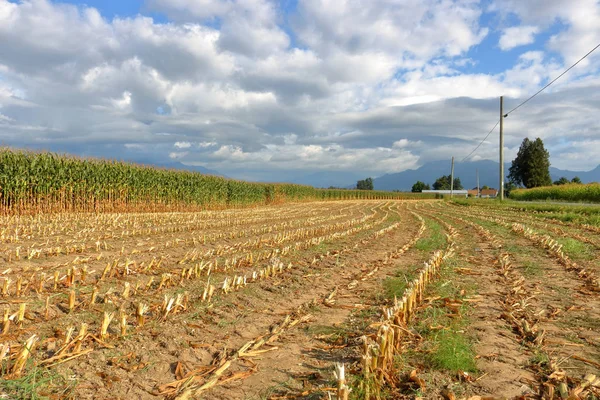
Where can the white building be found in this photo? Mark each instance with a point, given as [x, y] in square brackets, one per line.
[457, 193]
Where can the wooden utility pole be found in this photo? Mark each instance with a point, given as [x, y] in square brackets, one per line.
[452, 179]
[477, 173]
[501, 183]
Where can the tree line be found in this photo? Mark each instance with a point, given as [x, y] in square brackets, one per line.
[530, 168]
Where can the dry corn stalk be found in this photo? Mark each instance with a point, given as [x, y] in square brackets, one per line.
[80, 337]
[42, 281]
[83, 273]
[56, 276]
[123, 322]
[140, 311]
[343, 391]
[95, 291]
[71, 300]
[105, 323]
[24, 355]
[126, 290]
[5, 286]
[21, 314]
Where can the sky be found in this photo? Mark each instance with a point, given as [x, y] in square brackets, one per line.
[272, 90]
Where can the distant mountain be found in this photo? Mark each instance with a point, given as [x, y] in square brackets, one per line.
[488, 175]
[585, 176]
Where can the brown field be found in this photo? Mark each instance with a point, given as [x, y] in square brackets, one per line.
[417, 299]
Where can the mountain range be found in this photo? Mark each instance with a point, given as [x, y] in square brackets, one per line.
[467, 172]
[428, 173]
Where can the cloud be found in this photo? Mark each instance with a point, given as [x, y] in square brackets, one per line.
[517, 36]
[580, 18]
[254, 89]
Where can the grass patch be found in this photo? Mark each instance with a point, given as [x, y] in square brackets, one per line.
[395, 287]
[453, 352]
[447, 346]
[584, 214]
[575, 249]
[38, 384]
[434, 241]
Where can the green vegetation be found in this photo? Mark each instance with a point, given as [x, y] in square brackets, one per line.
[572, 192]
[564, 181]
[445, 344]
[365, 184]
[531, 167]
[451, 348]
[38, 384]
[48, 182]
[575, 249]
[583, 214]
[420, 186]
[395, 286]
[434, 241]
[453, 352]
[443, 183]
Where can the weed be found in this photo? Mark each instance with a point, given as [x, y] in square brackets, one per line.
[539, 358]
[435, 241]
[38, 384]
[453, 352]
[395, 287]
[576, 249]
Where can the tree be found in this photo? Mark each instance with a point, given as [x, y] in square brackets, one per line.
[419, 187]
[443, 183]
[561, 181]
[485, 187]
[365, 184]
[576, 180]
[531, 167]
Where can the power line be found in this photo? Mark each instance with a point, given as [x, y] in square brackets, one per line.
[535, 94]
[479, 145]
[554, 80]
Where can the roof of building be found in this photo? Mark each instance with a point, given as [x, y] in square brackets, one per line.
[446, 191]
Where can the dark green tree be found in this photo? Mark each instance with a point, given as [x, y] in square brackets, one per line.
[443, 183]
[485, 187]
[420, 186]
[365, 184]
[561, 181]
[531, 167]
[576, 180]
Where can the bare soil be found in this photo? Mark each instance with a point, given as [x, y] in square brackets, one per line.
[324, 269]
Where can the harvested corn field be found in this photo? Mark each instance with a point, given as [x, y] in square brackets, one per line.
[363, 299]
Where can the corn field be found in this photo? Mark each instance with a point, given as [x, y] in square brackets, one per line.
[589, 193]
[361, 298]
[46, 182]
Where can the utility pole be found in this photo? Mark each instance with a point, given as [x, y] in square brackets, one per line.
[477, 173]
[501, 184]
[452, 180]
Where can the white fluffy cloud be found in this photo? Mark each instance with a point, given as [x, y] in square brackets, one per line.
[255, 90]
[517, 36]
